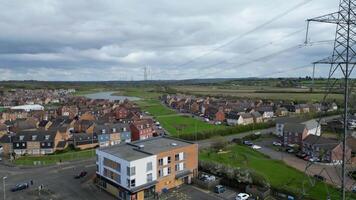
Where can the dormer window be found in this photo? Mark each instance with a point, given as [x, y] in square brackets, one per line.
[46, 137]
[34, 137]
[21, 137]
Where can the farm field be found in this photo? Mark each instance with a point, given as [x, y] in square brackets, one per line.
[295, 94]
[276, 172]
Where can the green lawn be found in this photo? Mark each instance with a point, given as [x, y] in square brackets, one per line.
[55, 158]
[276, 172]
[173, 122]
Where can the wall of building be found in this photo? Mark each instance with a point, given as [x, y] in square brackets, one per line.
[140, 165]
[190, 160]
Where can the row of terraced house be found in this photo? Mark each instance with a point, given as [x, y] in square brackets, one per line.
[239, 112]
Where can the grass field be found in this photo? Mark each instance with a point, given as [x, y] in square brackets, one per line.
[276, 172]
[175, 123]
[272, 93]
[55, 158]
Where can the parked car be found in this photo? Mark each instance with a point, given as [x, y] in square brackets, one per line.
[242, 196]
[256, 147]
[319, 177]
[20, 186]
[277, 144]
[301, 155]
[81, 175]
[217, 123]
[314, 159]
[248, 143]
[354, 189]
[207, 178]
[219, 189]
[207, 120]
[290, 150]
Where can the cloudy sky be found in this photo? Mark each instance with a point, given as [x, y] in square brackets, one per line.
[116, 39]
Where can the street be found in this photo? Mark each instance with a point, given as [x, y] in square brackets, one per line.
[58, 181]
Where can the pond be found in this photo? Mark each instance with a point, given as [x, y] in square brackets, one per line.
[109, 96]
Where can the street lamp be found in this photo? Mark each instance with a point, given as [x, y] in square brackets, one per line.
[3, 182]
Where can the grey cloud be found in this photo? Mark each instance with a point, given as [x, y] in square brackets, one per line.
[113, 40]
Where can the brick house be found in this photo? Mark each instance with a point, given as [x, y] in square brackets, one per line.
[34, 142]
[85, 141]
[294, 133]
[220, 115]
[324, 149]
[69, 111]
[234, 118]
[121, 112]
[141, 130]
[257, 117]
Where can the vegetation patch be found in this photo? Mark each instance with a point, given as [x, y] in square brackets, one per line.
[55, 158]
[279, 175]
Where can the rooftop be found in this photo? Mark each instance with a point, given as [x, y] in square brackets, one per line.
[126, 152]
[144, 148]
[160, 144]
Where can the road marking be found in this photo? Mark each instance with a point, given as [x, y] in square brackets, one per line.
[65, 168]
[91, 165]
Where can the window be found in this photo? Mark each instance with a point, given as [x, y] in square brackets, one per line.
[169, 170]
[131, 171]
[112, 175]
[149, 167]
[149, 177]
[176, 157]
[160, 162]
[160, 174]
[133, 183]
[112, 164]
[169, 159]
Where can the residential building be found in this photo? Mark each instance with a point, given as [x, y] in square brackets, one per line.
[141, 169]
[324, 149]
[294, 133]
[141, 130]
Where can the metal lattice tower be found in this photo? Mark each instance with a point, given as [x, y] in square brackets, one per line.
[343, 58]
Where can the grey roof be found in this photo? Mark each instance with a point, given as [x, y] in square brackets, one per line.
[144, 148]
[161, 144]
[311, 124]
[126, 152]
[322, 142]
[294, 127]
[38, 135]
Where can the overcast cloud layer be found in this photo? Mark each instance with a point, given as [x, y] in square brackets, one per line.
[115, 39]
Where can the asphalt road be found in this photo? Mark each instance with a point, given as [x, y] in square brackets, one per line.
[58, 181]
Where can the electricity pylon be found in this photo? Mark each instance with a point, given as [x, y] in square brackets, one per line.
[343, 57]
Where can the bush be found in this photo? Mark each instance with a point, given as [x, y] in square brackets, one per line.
[228, 131]
[219, 143]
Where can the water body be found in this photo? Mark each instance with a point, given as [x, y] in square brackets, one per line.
[109, 96]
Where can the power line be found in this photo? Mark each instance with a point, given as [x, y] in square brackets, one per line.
[295, 7]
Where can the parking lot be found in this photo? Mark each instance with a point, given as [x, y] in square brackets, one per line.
[191, 192]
